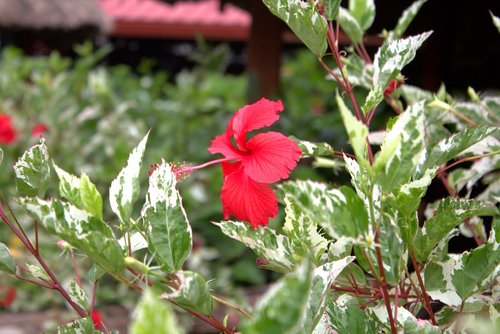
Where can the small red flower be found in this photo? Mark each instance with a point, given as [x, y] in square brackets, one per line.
[7, 296]
[7, 132]
[38, 130]
[392, 86]
[97, 319]
[255, 163]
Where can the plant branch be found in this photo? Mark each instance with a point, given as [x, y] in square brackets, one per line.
[427, 303]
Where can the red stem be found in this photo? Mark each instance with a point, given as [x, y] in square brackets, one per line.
[427, 303]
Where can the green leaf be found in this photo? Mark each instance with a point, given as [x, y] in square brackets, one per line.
[401, 149]
[350, 26]
[476, 266]
[375, 96]
[340, 212]
[80, 229]
[7, 263]
[282, 309]
[170, 236]
[406, 18]
[79, 326]
[69, 186]
[496, 21]
[393, 56]
[392, 250]
[90, 196]
[193, 293]
[152, 315]
[124, 189]
[423, 327]
[322, 278]
[37, 272]
[304, 20]
[356, 130]
[310, 149]
[451, 147]
[1, 156]
[347, 318]
[449, 213]
[303, 232]
[363, 11]
[33, 171]
[275, 248]
[331, 9]
[78, 295]
[406, 199]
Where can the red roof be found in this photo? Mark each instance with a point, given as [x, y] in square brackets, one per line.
[181, 20]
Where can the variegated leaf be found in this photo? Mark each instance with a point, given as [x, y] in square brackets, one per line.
[401, 149]
[79, 326]
[363, 11]
[170, 235]
[340, 212]
[80, 229]
[310, 149]
[275, 248]
[304, 20]
[391, 58]
[33, 171]
[406, 18]
[322, 278]
[78, 295]
[350, 26]
[124, 189]
[283, 308]
[193, 293]
[302, 232]
[7, 263]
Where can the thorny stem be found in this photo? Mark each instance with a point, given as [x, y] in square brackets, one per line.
[427, 302]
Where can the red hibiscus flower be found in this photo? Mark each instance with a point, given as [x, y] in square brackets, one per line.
[7, 131]
[7, 296]
[38, 130]
[97, 319]
[392, 86]
[250, 165]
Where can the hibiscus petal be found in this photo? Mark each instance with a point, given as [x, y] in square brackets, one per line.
[272, 157]
[254, 116]
[222, 145]
[246, 199]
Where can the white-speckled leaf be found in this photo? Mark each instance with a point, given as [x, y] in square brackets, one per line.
[124, 190]
[437, 276]
[303, 232]
[78, 295]
[363, 11]
[33, 171]
[350, 26]
[283, 308]
[449, 213]
[80, 229]
[401, 149]
[79, 326]
[391, 58]
[322, 278]
[69, 186]
[275, 248]
[169, 232]
[310, 149]
[451, 147]
[375, 96]
[304, 20]
[340, 212]
[193, 293]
